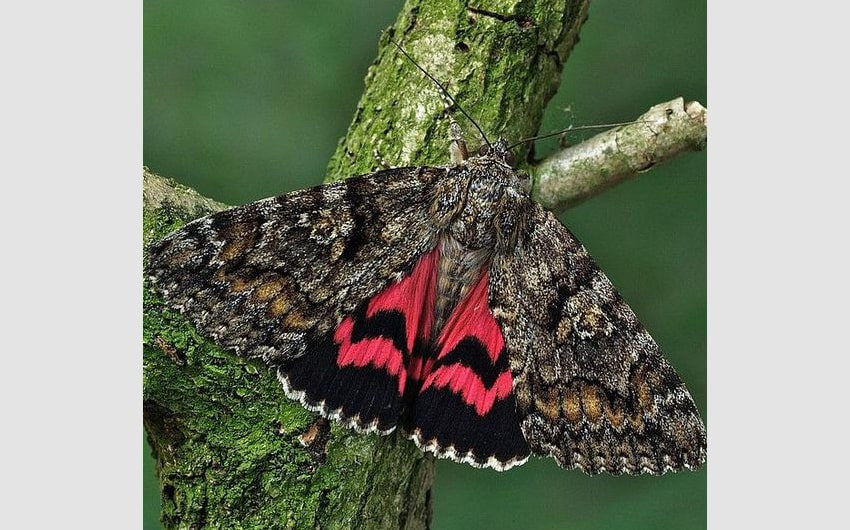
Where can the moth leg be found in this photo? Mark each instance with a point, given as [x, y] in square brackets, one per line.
[457, 148]
[382, 163]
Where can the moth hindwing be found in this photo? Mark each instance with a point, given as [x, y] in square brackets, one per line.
[442, 301]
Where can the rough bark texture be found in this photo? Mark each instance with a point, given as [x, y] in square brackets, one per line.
[502, 66]
[228, 445]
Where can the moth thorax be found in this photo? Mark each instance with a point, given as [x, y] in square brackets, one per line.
[491, 215]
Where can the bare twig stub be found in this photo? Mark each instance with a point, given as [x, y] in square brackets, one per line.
[574, 174]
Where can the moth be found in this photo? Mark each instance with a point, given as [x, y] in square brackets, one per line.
[444, 302]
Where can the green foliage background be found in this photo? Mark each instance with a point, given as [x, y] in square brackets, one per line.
[243, 100]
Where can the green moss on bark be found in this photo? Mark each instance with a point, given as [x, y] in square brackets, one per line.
[502, 66]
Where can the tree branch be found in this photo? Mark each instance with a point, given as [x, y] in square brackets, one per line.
[230, 450]
[502, 68]
[577, 173]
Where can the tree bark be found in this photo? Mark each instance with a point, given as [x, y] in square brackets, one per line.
[231, 451]
[502, 66]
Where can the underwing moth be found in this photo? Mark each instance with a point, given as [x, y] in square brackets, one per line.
[444, 302]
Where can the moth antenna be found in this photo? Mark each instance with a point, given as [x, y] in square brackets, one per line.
[445, 92]
[570, 129]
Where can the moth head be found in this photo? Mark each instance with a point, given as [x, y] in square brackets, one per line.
[498, 150]
[501, 151]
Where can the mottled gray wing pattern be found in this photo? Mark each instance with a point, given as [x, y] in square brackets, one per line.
[260, 277]
[592, 387]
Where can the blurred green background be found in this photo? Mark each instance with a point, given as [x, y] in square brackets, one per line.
[244, 100]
